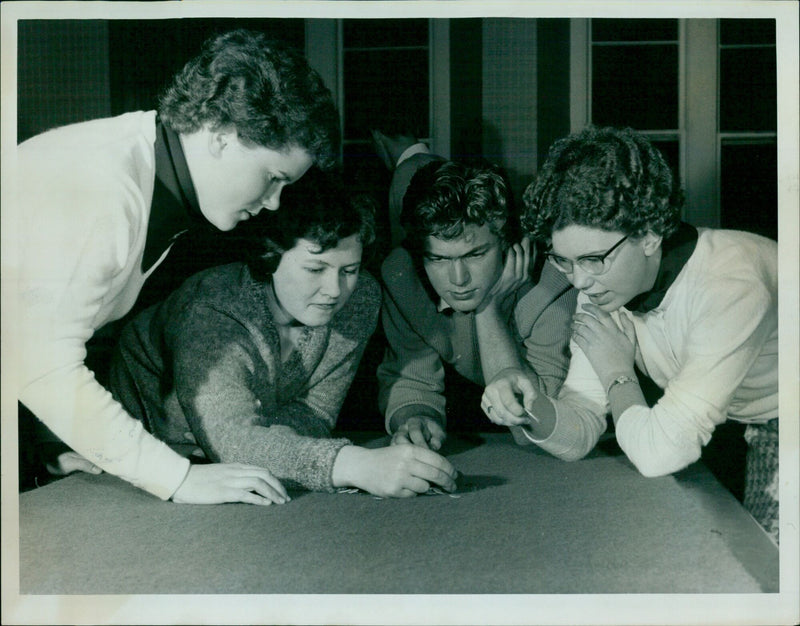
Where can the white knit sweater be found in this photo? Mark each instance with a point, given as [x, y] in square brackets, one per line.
[712, 345]
[82, 203]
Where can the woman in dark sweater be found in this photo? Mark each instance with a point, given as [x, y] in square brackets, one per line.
[252, 361]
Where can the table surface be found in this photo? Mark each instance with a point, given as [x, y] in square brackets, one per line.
[522, 522]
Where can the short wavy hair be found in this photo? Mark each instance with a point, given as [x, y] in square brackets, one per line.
[317, 208]
[607, 178]
[263, 87]
[444, 197]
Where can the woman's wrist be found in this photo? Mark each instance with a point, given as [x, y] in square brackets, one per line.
[609, 379]
[622, 379]
[344, 470]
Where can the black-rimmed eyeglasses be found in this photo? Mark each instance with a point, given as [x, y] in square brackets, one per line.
[591, 264]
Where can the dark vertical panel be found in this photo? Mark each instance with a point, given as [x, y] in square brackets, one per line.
[466, 83]
[748, 89]
[62, 73]
[748, 103]
[749, 188]
[552, 76]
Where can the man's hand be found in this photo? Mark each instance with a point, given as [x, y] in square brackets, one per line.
[425, 432]
[500, 401]
[516, 272]
[218, 483]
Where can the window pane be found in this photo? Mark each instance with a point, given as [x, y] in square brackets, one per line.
[749, 188]
[746, 32]
[635, 86]
[748, 96]
[385, 33]
[634, 30]
[376, 80]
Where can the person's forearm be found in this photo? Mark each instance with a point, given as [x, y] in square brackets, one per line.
[497, 348]
[304, 460]
[83, 415]
[570, 431]
[624, 392]
[347, 467]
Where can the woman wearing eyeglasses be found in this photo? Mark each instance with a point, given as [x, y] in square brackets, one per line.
[694, 309]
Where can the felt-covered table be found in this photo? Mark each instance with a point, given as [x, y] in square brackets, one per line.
[524, 522]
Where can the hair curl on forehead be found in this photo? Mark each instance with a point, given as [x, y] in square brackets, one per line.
[316, 208]
[445, 197]
[262, 87]
[607, 178]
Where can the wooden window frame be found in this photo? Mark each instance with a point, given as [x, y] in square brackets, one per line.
[697, 136]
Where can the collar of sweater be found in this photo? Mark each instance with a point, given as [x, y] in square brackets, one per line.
[675, 252]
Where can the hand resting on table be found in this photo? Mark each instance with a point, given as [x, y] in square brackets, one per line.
[216, 483]
[394, 471]
[219, 483]
[71, 461]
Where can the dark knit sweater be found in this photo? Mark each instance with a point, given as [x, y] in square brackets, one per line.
[207, 361]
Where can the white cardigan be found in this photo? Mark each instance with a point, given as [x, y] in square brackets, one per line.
[712, 345]
[82, 204]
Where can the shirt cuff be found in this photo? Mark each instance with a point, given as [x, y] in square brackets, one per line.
[414, 410]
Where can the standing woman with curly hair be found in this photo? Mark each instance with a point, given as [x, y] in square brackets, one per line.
[100, 204]
[695, 309]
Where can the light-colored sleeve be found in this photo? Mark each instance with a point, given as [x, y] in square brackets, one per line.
[74, 244]
[581, 409]
[727, 324]
[411, 375]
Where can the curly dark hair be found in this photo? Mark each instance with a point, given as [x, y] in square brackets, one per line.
[263, 87]
[317, 208]
[607, 178]
[444, 197]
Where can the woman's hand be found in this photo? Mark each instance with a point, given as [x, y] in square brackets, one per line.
[501, 398]
[420, 431]
[393, 471]
[218, 483]
[610, 349]
[71, 461]
[516, 272]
